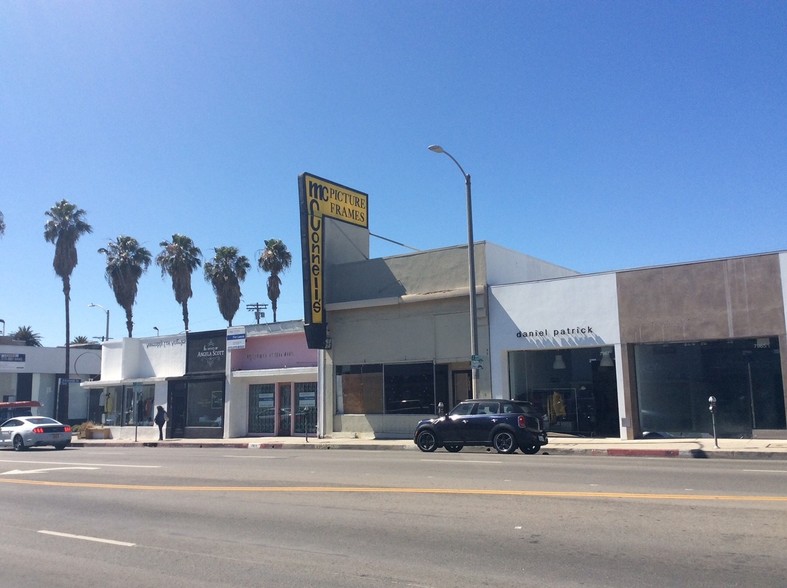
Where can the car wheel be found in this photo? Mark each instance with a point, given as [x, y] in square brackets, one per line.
[453, 447]
[60, 446]
[530, 449]
[19, 444]
[426, 441]
[504, 442]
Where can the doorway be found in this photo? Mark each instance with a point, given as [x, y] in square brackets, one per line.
[176, 409]
[462, 386]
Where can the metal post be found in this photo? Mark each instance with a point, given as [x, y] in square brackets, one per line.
[474, 357]
[106, 310]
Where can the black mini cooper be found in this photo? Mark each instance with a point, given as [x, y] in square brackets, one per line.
[505, 425]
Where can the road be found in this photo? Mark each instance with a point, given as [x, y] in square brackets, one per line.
[236, 517]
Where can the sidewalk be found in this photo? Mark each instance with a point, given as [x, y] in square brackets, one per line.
[558, 445]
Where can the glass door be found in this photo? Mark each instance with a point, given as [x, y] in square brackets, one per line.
[262, 409]
[305, 408]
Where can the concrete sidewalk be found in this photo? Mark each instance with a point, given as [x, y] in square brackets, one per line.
[701, 447]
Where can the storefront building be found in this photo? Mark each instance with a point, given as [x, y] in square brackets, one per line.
[270, 388]
[640, 352]
[34, 373]
[134, 380]
[274, 382]
[398, 330]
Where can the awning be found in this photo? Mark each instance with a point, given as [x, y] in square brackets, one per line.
[279, 373]
[126, 382]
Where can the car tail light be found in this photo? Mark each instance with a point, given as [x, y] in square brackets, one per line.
[67, 429]
[520, 421]
[38, 430]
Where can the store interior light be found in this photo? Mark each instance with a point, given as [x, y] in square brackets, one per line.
[606, 359]
[559, 364]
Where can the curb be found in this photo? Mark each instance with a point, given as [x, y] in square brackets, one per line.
[549, 450]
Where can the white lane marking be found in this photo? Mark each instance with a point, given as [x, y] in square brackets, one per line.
[453, 462]
[68, 463]
[86, 538]
[15, 472]
[767, 471]
[256, 456]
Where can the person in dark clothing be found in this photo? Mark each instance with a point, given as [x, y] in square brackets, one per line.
[161, 418]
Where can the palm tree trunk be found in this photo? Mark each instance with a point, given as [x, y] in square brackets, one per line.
[62, 401]
[129, 322]
[185, 306]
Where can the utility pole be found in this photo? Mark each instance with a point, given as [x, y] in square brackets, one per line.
[258, 309]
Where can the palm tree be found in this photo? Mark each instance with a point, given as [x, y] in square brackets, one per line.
[225, 272]
[275, 259]
[80, 340]
[65, 226]
[26, 334]
[179, 259]
[127, 260]
[2, 224]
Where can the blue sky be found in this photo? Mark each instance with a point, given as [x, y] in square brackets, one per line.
[599, 135]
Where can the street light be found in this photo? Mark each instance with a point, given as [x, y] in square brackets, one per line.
[3, 321]
[157, 332]
[474, 359]
[92, 305]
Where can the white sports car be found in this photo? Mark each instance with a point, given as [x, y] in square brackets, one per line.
[31, 431]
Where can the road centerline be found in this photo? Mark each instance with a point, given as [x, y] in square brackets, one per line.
[383, 490]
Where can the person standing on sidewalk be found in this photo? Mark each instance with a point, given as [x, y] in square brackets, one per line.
[160, 419]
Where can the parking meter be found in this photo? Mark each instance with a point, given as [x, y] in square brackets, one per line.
[712, 409]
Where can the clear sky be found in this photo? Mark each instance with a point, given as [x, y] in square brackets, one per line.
[599, 135]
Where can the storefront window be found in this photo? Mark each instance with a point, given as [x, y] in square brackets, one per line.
[205, 404]
[124, 406]
[389, 389]
[674, 382]
[359, 389]
[575, 388]
[110, 404]
[409, 388]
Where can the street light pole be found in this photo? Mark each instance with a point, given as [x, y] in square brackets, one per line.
[106, 333]
[474, 359]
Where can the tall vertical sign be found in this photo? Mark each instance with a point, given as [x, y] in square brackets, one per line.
[321, 199]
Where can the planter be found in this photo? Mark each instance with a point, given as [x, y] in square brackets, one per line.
[98, 433]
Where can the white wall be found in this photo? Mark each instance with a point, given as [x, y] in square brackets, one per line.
[550, 315]
[127, 359]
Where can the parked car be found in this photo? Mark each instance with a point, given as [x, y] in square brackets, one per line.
[502, 424]
[32, 431]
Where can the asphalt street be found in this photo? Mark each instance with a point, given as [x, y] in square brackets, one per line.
[286, 517]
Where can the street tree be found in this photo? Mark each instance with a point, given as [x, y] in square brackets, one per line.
[274, 259]
[26, 334]
[127, 260]
[225, 272]
[65, 226]
[178, 259]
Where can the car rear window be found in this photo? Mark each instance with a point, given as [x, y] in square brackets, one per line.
[42, 421]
